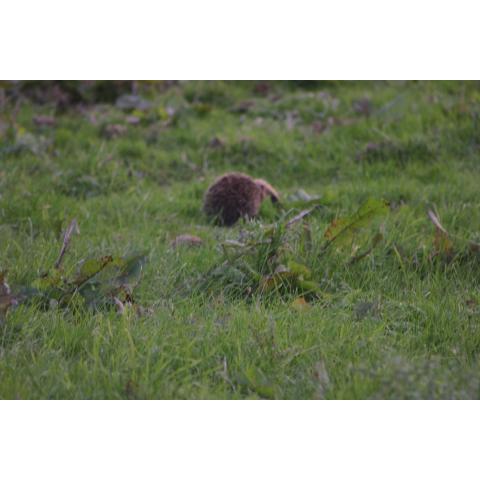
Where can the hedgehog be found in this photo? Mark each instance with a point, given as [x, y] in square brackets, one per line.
[236, 195]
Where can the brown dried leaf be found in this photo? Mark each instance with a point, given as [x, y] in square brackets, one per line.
[262, 88]
[243, 107]
[132, 120]
[114, 130]
[319, 126]
[363, 106]
[187, 240]
[216, 142]
[44, 121]
[474, 247]
[132, 102]
[300, 304]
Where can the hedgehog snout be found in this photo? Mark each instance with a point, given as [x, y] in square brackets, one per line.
[267, 190]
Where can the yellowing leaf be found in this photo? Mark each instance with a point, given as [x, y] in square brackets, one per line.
[91, 267]
[300, 305]
[307, 286]
[300, 270]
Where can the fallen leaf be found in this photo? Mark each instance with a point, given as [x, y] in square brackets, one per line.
[474, 247]
[114, 130]
[471, 303]
[234, 243]
[300, 304]
[262, 88]
[243, 107]
[44, 121]
[132, 120]
[132, 102]
[372, 151]
[319, 127]
[216, 142]
[187, 240]
[363, 106]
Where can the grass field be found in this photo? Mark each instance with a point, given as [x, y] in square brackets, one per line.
[401, 322]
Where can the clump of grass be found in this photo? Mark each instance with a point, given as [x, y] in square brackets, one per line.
[275, 259]
[98, 283]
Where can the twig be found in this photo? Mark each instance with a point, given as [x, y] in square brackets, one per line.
[301, 215]
[73, 227]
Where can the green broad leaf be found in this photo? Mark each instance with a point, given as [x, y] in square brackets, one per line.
[110, 277]
[343, 230]
[90, 268]
[308, 286]
[131, 271]
[53, 279]
[300, 270]
[94, 295]
[256, 380]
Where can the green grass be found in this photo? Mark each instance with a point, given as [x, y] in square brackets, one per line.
[397, 324]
